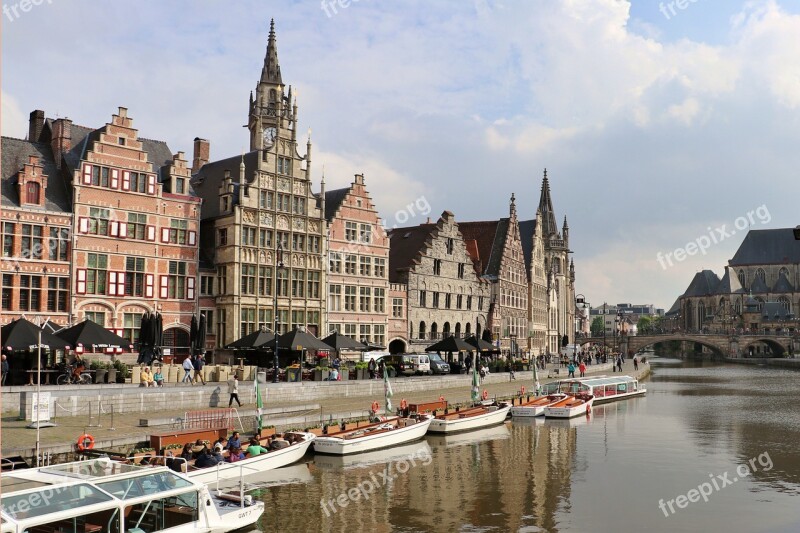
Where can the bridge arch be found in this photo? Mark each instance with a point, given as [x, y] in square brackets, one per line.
[639, 343]
[778, 350]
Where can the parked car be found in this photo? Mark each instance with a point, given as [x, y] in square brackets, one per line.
[438, 365]
[401, 364]
[422, 363]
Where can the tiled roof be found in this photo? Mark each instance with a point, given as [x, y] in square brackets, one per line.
[782, 285]
[483, 234]
[758, 285]
[333, 200]
[208, 179]
[526, 230]
[405, 246]
[703, 284]
[15, 153]
[774, 311]
[768, 247]
[675, 309]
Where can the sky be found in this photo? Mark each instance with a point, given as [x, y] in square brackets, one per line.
[668, 129]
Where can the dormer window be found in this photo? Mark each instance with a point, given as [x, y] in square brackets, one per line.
[180, 186]
[122, 141]
[32, 193]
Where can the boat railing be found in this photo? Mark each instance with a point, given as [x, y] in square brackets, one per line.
[242, 473]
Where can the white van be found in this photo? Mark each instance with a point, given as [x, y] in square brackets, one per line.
[422, 363]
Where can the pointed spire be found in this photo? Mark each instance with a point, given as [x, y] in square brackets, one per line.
[271, 73]
[513, 206]
[549, 226]
[566, 226]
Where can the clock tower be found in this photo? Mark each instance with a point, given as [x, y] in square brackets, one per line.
[272, 112]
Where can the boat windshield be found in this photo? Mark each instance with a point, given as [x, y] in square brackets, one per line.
[134, 487]
[51, 500]
[91, 469]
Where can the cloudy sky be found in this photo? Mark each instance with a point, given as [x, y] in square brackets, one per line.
[659, 126]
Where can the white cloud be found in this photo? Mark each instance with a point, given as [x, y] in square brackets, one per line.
[14, 120]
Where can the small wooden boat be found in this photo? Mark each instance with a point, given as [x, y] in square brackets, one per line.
[284, 449]
[535, 406]
[575, 405]
[419, 449]
[388, 432]
[454, 420]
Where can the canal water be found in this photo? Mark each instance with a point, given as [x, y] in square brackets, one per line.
[712, 447]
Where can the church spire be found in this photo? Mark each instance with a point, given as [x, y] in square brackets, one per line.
[271, 73]
[548, 221]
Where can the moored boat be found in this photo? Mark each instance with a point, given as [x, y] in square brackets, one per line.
[455, 420]
[388, 432]
[294, 447]
[605, 388]
[535, 406]
[102, 495]
[574, 405]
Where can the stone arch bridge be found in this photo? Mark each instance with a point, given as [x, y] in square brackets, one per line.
[719, 344]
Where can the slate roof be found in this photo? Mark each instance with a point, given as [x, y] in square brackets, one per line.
[768, 247]
[15, 152]
[758, 285]
[489, 238]
[208, 179]
[774, 310]
[703, 284]
[782, 285]
[526, 230]
[333, 200]
[675, 309]
[405, 245]
[729, 284]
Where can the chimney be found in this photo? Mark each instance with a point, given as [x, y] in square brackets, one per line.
[61, 141]
[35, 125]
[202, 151]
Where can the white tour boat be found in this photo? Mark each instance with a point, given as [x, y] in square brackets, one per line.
[298, 444]
[104, 496]
[391, 431]
[605, 388]
[576, 404]
[469, 418]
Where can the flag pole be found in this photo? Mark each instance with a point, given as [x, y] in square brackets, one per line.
[38, 393]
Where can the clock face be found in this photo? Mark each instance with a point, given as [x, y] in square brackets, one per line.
[269, 136]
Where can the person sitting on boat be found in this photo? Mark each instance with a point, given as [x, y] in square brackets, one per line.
[198, 448]
[234, 441]
[255, 448]
[206, 460]
[172, 462]
[235, 454]
[220, 445]
[186, 453]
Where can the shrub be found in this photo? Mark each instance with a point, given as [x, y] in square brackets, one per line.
[122, 369]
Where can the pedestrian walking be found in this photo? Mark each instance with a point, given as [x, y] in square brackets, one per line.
[582, 368]
[571, 370]
[3, 370]
[619, 363]
[188, 367]
[371, 367]
[233, 390]
[635, 363]
[198, 364]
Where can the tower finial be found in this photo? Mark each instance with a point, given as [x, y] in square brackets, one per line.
[271, 73]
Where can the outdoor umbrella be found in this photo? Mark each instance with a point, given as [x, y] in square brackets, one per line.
[22, 334]
[145, 339]
[201, 334]
[451, 344]
[371, 346]
[256, 339]
[158, 336]
[480, 344]
[193, 335]
[297, 340]
[89, 333]
[337, 341]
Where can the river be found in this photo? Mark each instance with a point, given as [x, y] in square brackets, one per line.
[712, 447]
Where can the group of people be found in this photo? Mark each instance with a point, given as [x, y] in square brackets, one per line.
[228, 450]
[194, 363]
[148, 378]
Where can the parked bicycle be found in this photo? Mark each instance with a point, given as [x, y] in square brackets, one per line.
[69, 377]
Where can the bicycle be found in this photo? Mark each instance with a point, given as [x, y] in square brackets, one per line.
[69, 378]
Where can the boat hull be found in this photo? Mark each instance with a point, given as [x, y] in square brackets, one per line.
[569, 412]
[522, 411]
[252, 466]
[608, 399]
[471, 423]
[368, 443]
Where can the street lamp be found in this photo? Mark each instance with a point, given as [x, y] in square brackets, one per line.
[278, 266]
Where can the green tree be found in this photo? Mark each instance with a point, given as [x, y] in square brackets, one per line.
[597, 326]
[645, 324]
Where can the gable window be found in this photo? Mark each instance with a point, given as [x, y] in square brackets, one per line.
[138, 182]
[365, 233]
[350, 231]
[437, 267]
[32, 193]
[461, 271]
[180, 186]
[450, 246]
[423, 297]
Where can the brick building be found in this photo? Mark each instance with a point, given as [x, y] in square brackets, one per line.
[358, 257]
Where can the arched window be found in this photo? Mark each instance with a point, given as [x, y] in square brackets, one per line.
[784, 301]
[273, 95]
[434, 331]
[458, 329]
[446, 330]
[784, 272]
[760, 273]
[422, 330]
[742, 277]
[32, 193]
[468, 329]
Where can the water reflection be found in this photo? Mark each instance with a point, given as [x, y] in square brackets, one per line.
[605, 472]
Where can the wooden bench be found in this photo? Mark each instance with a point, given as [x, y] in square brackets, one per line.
[163, 439]
[428, 407]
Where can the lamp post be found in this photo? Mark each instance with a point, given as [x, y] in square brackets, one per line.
[278, 266]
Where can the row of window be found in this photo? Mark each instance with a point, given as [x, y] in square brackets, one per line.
[99, 222]
[125, 180]
[284, 202]
[134, 280]
[35, 293]
[300, 241]
[253, 319]
[374, 333]
[258, 280]
[352, 298]
[357, 265]
[437, 268]
[31, 238]
[441, 300]
[355, 232]
[513, 299]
